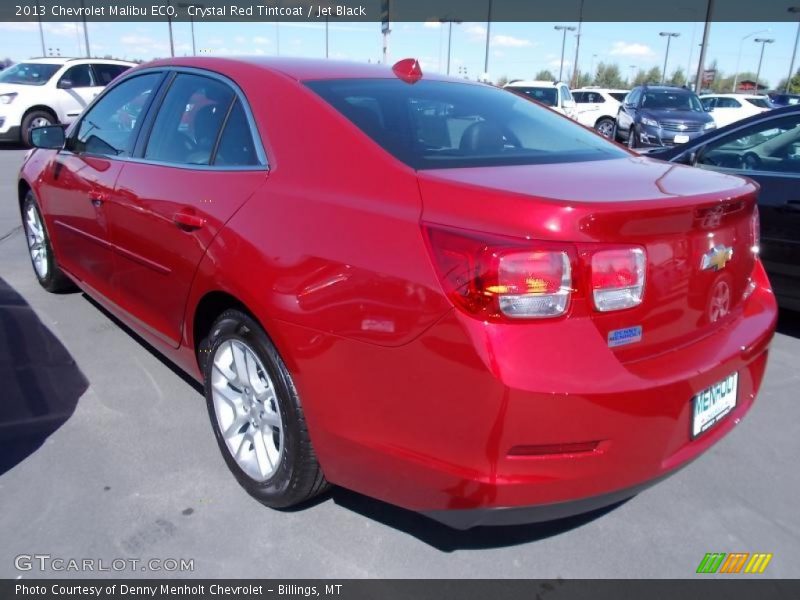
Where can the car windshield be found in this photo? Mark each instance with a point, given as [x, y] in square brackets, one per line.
[29, 73]
[670, 100]
[547, 96]
[760, 102]
[437, 124]
[619, 96]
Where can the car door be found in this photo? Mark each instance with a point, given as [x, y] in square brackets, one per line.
[76, 88]
[726, 111]
[199, 162]
[80, 181]
[769, 152]
[627, 112]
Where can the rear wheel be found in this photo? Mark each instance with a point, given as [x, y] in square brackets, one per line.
[605, 127]
[256, 414]
[35, 118]
[45, 266]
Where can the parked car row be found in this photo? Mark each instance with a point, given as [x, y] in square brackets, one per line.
[493, 316]
[44, 91]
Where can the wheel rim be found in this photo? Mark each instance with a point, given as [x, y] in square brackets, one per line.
[40, 122]
[37, 246]
[246, 409]
[605, 128]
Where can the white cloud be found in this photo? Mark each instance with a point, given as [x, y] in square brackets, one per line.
[261, 40]
[18, 26]
[631, 49]
[476, 32]
[509, 41]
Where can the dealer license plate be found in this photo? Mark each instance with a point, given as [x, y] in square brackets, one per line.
[712, 404]
[681, 139]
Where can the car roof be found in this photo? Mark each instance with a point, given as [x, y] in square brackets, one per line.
[533, 83]
[301, 69]
[62, 60]
[713, 95]
[666, 88]
[599, 89]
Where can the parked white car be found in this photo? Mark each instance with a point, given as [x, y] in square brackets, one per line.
[728, 108]
[550, 93]
[598, 107]
[43, 91]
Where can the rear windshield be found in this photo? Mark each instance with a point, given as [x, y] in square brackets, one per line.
[437, 124]
[29, 73]
[760, 102]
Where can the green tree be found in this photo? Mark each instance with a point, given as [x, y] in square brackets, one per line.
[678, 77]
[608, 75]
[584, 79]
[545, 75]
[653, 76]
[794, 84]
[640, 78]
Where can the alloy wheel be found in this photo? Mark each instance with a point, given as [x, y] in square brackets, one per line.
[246, 408]
[37, 244]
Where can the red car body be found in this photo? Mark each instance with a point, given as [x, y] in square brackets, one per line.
[409, 398]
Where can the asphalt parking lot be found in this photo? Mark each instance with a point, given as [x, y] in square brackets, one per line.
[134, 472]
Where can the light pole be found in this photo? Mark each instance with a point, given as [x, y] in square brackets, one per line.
[41, 35]
[763, 42]
[795, 10]
[632, 68]
[701, 63]
[575, 72]
[488, 37]
[669, 35]
[739, 57]
[564, 29]
[326, 36]
[191, 20]
[85, 30]
[449, 38]
[171, 41]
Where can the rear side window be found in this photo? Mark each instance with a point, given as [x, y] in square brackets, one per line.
[437, 124]
[105, 73]
[547, 96]
[236, 146]
[109, 127]
[728, 103]
[189, 121]
[759, 102]
[618, 96]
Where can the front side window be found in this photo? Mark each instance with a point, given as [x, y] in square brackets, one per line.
[189, 120]
[580, 97]
[547, 96]
[772, 146]
[436, 124]
[79, 76]
[709, 103]
[109, 126]
[728, 103]
[29, 73]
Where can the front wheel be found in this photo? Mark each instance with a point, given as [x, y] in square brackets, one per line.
[632, 144]
[45, 267]
[256, 414]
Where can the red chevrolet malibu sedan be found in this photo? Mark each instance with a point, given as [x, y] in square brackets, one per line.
[430, 291]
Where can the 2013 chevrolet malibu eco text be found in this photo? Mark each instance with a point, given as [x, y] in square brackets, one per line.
[430, 291]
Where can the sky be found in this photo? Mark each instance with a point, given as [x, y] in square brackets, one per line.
[518, 50]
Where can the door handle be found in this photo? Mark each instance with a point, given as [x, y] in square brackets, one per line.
[97, 198]
[188, 221]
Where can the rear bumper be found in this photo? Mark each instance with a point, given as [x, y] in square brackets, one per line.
[436, 425]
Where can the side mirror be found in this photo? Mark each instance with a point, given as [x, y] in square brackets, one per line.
[688, 158]
[65, 84]
[50, 136]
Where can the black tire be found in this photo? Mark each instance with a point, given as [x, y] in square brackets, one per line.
[54, 280]
[29, 119]
[297, 476]
[632, 144]
[606, 124]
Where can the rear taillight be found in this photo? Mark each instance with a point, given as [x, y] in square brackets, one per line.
[618, 278]
[492, 277]
[755, 231]
[499, 278]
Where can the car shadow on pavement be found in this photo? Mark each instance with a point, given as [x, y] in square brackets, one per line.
[789, 323]
[40, 381]
[147, 346]
[447, 539]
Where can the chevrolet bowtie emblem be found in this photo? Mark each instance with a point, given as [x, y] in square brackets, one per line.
[716, 258]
